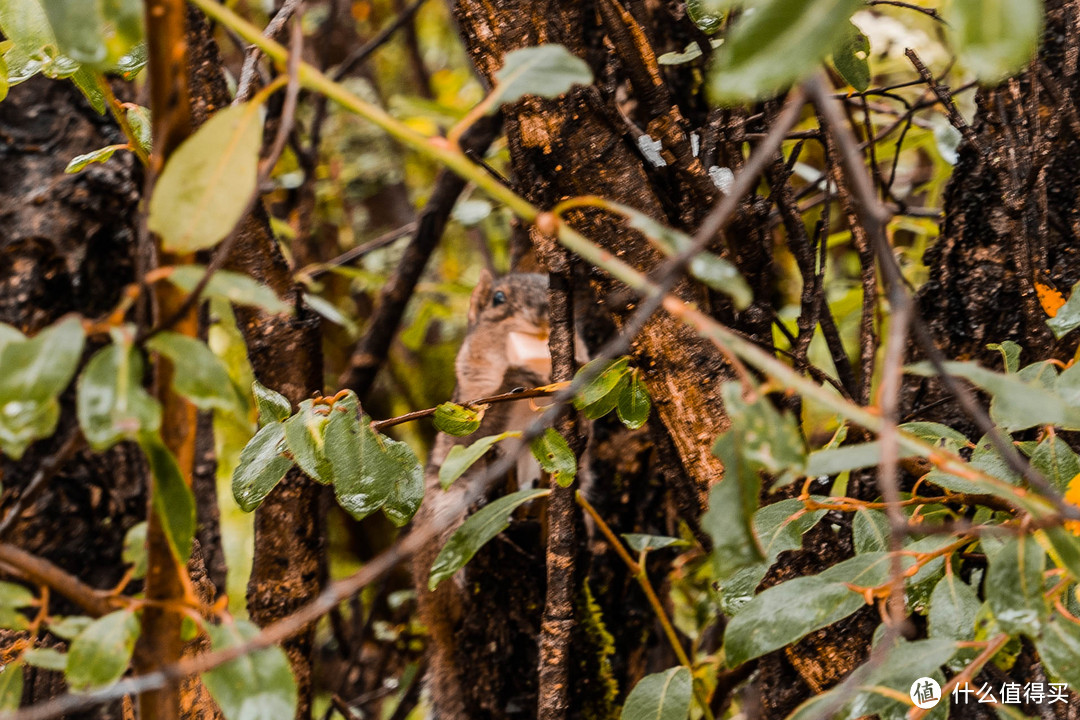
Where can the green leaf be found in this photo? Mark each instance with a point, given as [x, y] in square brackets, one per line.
[851, 57]
[660, 696]
[87, 82]
[47, 659]
[1010, 354]
[1059, 648]
[555, 456]
[35, 372]
[13, 620]
[478, 528]
[832, 461]
[544, 70]
[994, 38]
[69, 627]
[112, 404]
[1014, 586]
[79, 162]
[262, 466]
[461, 457]
[604, 383]
[768, 439]
[97, 33]
[457, 420]
[1056, 461]
[34, 49]
[634, 404]
[257, 685]
[199, 374]
[272, 405]
[134, 552]
[396, 464]
[776, 45]
[101, 653]
[304, 434]
[138, 118]
[732, 504]
[11, 681]
[870, 531]
[1067, 318]
[787, 612]
[205, 186]
[15, 596]
[1019, 402]
[639, 542]
[237, 288]
[953, 607]
[173, 500]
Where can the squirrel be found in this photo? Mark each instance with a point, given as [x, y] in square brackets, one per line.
[483, 623]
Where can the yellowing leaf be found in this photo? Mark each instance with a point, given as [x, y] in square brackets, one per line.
[205, 185]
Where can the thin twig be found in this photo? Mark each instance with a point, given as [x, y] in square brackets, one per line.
[46, 471]
[944, 96]
[512, 396]
[246, 87]
[316, 270]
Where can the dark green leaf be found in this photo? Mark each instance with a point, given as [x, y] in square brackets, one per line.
[457, 420]
[257, 685]
[478, 529]
[397, 464]
[237, 288]
[544, 70]
[205, 185]
[851, 56]
[994, 38]
[634, 404]
[173, 500]
[101, 653]
[732, 504]
[1059, 648]
[262, 466]
[272, 405]
[79, 162]
[936, 434]
[605, 382]
[200, 375]
[555, 456]
[461, 458]
[304, 433]
[1014, 586]
[639, 542]
[787, 612]
[660, 696]
[776, 45]
[953, 606]
[767, 439]
[35, 372]
[11, 683]
[1067, 318]
[357, 491]
[112, 404]
[832, 461]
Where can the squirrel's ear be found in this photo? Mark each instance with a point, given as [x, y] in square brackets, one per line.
[481, 294]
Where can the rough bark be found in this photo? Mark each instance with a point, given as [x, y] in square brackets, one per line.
[66, 245]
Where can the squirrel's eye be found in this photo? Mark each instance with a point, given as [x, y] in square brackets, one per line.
[498, 298]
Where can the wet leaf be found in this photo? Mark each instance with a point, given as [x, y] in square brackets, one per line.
[112, 404]
[1014, 586]
[79, 162]
[199, 374]
[262, 466]
[272, 405]
[634, 403]
[304, 434]
[953, 607]
[173, 500]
